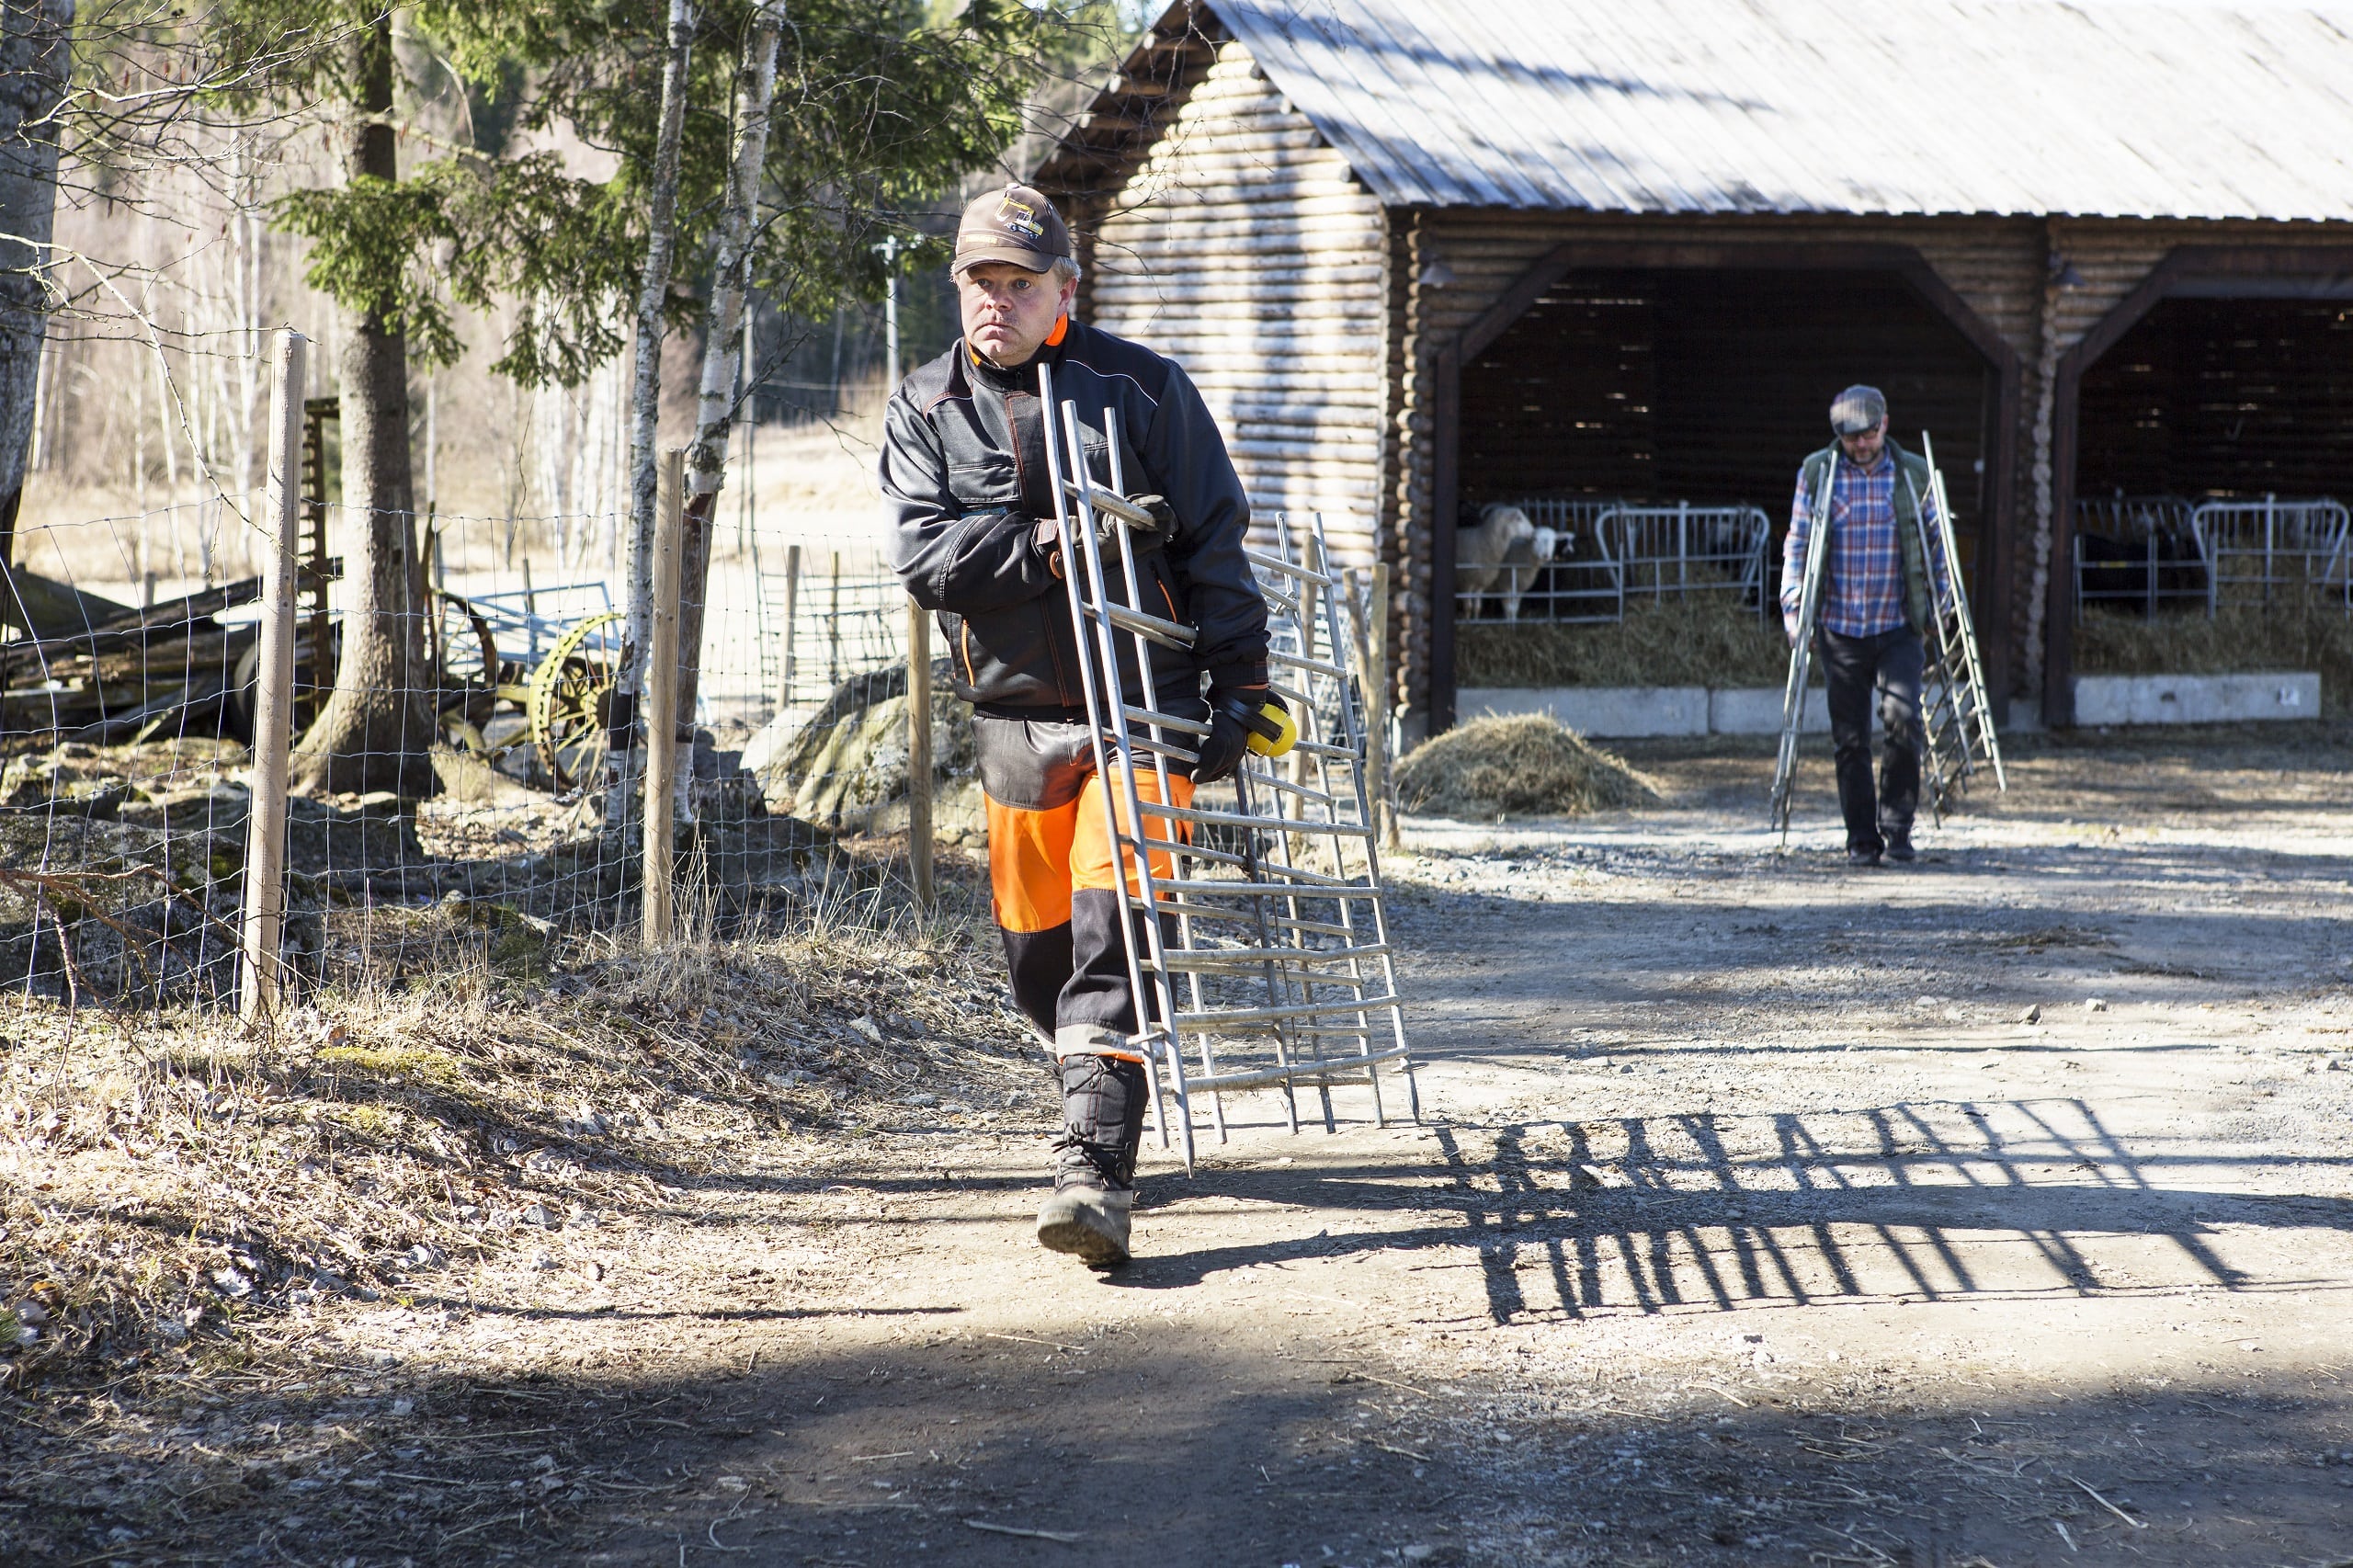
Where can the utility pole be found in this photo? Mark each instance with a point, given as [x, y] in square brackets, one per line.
[889, 250]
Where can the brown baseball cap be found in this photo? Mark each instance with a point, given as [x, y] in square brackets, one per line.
[1016, 224]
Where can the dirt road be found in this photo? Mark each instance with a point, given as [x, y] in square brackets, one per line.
[1748, 1222]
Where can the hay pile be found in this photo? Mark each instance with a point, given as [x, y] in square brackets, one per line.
[1527, 763]
[1703, 640]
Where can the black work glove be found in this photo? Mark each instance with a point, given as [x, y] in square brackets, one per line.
[1235, 717]
[1164, 520]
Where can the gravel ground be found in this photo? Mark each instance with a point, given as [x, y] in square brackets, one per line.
[1992, 1212]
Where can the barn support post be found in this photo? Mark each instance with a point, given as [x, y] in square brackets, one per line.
[2211, 269]
[1446, 421]
[1998, 526]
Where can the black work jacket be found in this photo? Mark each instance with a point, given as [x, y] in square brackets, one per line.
[964, 479]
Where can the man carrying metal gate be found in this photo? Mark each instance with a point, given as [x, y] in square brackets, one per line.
[969, 493]
[1871, 608]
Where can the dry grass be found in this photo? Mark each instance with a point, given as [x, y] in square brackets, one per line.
[1703, 640]
[1527, 763]
[2289, 634]
[166, 1183]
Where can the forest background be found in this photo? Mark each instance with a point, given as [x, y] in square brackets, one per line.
[180, 188]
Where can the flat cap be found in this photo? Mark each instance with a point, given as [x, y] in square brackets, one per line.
[1016, 224]
[1858, 409]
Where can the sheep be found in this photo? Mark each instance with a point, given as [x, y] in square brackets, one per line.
[1502, 552]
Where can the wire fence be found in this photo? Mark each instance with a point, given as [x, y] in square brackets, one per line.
[2139, 555]
[1577, 561]
[452, 702]
[400, 745]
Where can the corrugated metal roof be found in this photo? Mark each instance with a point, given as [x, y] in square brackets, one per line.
[2120, 110]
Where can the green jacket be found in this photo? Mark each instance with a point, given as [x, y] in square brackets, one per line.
[1918, 608]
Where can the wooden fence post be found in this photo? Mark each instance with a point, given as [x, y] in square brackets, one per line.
[661, 694]
[920, 751]
[791, 625]
[261, 979]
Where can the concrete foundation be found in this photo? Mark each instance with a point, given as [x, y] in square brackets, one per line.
[1627, 713]
[2196, 700]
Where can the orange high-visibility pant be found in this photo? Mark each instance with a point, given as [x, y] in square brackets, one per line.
[1055, 885]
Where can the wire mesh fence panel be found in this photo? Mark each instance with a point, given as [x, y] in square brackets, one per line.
[2137, 555]
[1685, 549]
[1576, 560]
[125, 704]
[452, 702]
[2257, 550]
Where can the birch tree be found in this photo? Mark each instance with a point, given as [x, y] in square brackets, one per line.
[731, 269]
[34, 62]
[624, 756]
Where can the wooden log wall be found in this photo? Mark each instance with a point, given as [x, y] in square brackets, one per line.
[1243, 248]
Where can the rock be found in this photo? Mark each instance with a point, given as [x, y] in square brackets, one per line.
[2032, 1015]
[471, 780]
[218, 809]
[844, 767]
[2096, 1005]
[374, 832]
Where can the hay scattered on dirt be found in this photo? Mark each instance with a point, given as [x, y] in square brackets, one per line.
[1706, 640]
[2291, 634]
[1527, 763]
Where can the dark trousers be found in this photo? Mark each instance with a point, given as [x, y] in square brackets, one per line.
[1853, 667]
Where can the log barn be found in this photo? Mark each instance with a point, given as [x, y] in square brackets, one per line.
[1421, 253]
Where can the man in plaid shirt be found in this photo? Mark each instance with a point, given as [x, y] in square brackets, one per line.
[1874, 607]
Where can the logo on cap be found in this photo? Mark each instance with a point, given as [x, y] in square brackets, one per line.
[1020, 216]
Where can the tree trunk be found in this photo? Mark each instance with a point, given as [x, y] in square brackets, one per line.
[624, 759]
[715, 417]
[33, 63]
[377, 729]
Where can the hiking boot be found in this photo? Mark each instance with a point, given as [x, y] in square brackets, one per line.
[1089, 1221]
[1900, 850]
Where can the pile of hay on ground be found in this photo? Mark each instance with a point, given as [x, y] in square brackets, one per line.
[1527, 763]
